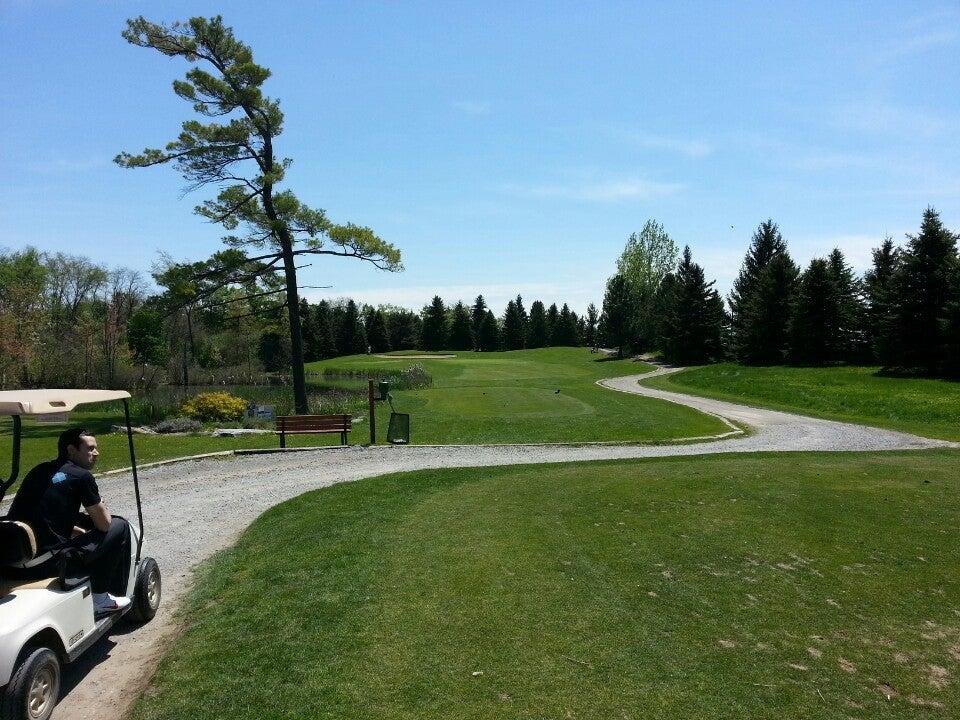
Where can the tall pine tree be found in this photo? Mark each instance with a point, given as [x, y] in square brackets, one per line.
[851, 340]
[815, 319]
[695, 316]
[479, 312]
[590, 328]
[489, 340]
[615, 320]
[351, 337]
[512, 327]
[758, 331]
[537, 336]
[924, 290]
[433, 334]
[377, 335]
[881, 300]
[553, 318]
[461, 332]
[566, 329]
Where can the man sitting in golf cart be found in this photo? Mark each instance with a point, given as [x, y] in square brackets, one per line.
[49, 501]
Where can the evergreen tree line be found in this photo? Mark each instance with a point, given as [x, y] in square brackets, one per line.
[903, 314]
[344, 328]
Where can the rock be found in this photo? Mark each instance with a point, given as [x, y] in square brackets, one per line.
[137, 430]
[237, 432]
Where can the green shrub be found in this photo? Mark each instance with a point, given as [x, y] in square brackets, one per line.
[212, 406]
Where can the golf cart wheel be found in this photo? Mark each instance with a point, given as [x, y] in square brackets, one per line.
[146, 594]
[34, 689]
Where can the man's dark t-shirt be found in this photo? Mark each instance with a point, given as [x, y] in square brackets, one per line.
[26, 504]
[70, 487]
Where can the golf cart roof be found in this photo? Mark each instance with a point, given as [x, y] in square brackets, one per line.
[44, 402]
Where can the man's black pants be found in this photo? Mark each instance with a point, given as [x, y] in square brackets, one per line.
[106, 557]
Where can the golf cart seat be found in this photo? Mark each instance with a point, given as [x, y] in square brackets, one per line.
[18, 543]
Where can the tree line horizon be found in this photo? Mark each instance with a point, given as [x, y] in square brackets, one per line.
[67, 320]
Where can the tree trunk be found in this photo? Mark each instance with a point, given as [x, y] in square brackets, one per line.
[296, 336]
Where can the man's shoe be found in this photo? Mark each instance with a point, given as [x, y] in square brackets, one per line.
[107, 603]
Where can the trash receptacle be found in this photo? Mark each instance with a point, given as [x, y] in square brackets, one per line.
[384, 389]
[399, 431]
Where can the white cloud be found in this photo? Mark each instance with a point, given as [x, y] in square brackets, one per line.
[64, 166]
[599, 191]
[471, 107]
[885, 118]
[688, 147]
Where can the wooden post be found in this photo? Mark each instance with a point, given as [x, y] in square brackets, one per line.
[373, 413]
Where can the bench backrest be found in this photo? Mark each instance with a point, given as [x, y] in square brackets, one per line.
[314, 423]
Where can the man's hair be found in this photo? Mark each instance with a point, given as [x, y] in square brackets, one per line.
[69, 437]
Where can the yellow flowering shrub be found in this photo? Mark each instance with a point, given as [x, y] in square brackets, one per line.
[212, 406]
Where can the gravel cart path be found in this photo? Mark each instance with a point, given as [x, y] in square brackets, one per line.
[192, 509]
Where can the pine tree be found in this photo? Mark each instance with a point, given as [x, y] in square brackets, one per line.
[590, 329]
[881, 301]
[663, 302]
[489, 340]
[951, 355]
[695, 316]
[815, 319]
[326, 346]
[404, 328]
[377, 335]
[461, 332]
[924, 291]
[615, 321]
[851, 343]
[754, 339]
[479, 312]
[768, 312]
[553, 318]
[537, 337]
[512, 327]
[351, 336]
[524, 319]
[309, 331]
[565, 333]
[433, 335]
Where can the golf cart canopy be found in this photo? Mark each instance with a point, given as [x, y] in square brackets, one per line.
[44, 402]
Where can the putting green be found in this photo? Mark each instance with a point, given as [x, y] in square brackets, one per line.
[501, 402]
[528, 396]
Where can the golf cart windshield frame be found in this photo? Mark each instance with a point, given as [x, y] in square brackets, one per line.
[15, 463]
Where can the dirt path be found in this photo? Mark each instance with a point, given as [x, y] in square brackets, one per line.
[195, 508]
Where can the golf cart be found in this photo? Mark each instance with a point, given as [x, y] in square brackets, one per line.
[48, 621]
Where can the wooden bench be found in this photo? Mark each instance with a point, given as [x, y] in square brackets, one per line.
[313, 425]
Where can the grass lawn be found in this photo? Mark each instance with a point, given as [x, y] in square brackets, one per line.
[853, 394]
[546, 395]
[771, 586]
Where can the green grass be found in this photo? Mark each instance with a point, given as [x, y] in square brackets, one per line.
[527, 396]
[852, 394]
[476, 398]
[770, 586]
[40, 442]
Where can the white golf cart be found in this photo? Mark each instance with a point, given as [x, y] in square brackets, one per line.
[48, 621]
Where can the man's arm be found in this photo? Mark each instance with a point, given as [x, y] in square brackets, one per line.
[101, 518]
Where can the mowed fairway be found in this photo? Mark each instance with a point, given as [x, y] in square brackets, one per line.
[767, 586]
[926, 407]
[527, 396]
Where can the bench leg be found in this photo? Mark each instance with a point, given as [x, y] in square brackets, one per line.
[283, 440]
[343, 438]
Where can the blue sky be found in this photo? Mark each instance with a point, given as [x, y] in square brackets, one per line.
[504, 147]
